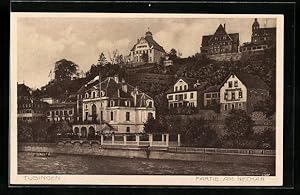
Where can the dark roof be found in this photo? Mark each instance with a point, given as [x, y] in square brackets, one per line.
[220, 30]
[23, 90]
[214, 88]
[251, 81]
[114, 90]
[151, 43]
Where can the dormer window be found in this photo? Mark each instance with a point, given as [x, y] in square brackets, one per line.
[94, 94]
[102, 93]
[185, 87]
[176, 88]
[112, 103]
[86, 95]
[180, 88]
[127, 103]
[149, 103]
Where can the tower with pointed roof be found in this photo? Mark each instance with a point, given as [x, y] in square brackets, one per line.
[220, 42]
[145, 50]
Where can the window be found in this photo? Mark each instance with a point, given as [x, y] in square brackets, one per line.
[180, 88]
[128, 129]
[235, 84]
[176, 88]
[170, 97]
[150, 104]
[230, 84]
[233, 95]
[225, 95]
[70, 112]
[127, 103]
[101, 115]
[112, 103]
[185, 87]
[56, 112]
[111, 116]
[127, 116]
[150, 59]
[208, 95]
[232, 106]
[150, 115]
[192, 95]
[48, 114]
[185, 96]
[240, 94]
[61, 113]
[225, 107]
[94, 94]
[176, 97]
[65, 112]
[86, 95]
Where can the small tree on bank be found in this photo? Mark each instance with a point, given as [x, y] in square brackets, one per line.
[239, 130]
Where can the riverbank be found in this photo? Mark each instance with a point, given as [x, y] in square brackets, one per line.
[244, 156]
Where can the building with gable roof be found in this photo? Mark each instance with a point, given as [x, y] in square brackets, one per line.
[146, 50]
[114, 106]
[242, 91]
[186, 92]
[29, 108]
[220, 42]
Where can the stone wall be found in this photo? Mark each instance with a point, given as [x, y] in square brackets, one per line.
[172, 153]
[225, 57]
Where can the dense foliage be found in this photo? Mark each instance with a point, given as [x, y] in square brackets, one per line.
[65, 69]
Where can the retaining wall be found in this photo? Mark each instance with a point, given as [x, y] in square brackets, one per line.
[171, 153]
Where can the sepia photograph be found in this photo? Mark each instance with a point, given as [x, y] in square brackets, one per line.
[146, 99]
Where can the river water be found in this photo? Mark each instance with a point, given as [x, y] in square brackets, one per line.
[99, 165]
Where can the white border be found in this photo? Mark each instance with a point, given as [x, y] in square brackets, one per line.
[145, 179]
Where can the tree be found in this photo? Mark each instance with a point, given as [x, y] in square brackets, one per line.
[266, 106]
[198, 134]
[153, 125]
[116, 58]
[172, 54]
[24, 132]
[239, 130]
[266, 139]
[65, 69]
[102, 60]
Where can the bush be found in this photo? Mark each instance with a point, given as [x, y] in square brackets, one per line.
[24, 132]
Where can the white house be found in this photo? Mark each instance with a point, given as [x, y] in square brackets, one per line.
[242, 91]
[185, 93]
[146, 50]
[116, 104]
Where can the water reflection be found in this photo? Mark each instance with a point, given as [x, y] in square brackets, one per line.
[99, 165]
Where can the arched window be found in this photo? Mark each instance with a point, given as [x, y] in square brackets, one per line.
[149, 103]
[86, 95]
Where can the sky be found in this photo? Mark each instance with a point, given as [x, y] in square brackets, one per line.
[41, 41]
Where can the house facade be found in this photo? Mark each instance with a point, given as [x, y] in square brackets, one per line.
[114, 104]
[211, 96]
[220, 42]
[185, 93]
[29, 109]
[146, 50]
[64, 111]
[242, 91]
